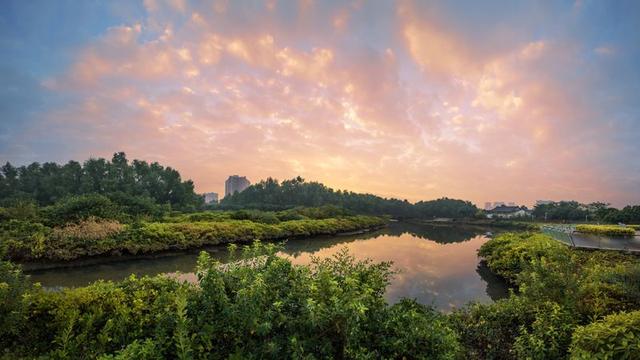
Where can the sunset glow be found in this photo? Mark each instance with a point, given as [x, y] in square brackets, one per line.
[418, 100]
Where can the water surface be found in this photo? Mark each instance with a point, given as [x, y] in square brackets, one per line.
[436, 265]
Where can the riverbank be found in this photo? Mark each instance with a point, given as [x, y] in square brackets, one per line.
[35, 243]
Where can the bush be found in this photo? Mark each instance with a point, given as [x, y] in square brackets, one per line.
[269, 308]
[100, 319]
[24, 240]
[507, 254]
[614, 337]
[93, 236]
[514, 328]
[82, 207]
[139, 206]
[411, 330]
[13, 286]
[258, 306]
[607, 230]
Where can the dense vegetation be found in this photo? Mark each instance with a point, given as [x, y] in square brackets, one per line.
[575, 211]
[609, 230]
[98, 231]
[260, 307]
[138, 184]
[568, 304]
[273, 195]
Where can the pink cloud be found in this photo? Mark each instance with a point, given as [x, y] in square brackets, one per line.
[426, 116]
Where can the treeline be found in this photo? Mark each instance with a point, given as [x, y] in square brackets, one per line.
[598, 211]
[138, 182]
[271, 194]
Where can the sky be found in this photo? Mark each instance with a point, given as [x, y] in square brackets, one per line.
[511, 101]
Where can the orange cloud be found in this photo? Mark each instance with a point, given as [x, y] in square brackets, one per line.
[423, 116]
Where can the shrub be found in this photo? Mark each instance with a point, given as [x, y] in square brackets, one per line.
[13, 286]
[411, 330]
[90, 229]
[610, 287]
[607, 230]
[100, 319]
[94, 236]
[24, 240]
[514, 328]
[334, 308]
[614, 337]
[509, 253]
[82, 207]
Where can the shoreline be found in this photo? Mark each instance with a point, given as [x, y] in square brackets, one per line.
[35, 266]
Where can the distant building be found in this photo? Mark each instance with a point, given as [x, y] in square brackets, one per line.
[235, 183]
[210, 198]
[507, 212]
[543, 202]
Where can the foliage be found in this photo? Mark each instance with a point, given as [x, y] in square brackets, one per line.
[91, 237]
[508, 253]
[447, 208]
[13, 286]
[273, 195]
[134, 185]
[574, 211]
[260, 306]
[563, 210]
[78, 208]
[558, 289]
[514, 328]
[608, 230]
[616, 336]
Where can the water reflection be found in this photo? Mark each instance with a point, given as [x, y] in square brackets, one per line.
[436, 265]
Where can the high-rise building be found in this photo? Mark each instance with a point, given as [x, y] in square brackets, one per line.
[235, 183]
[210, 198]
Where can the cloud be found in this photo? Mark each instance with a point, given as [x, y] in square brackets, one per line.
[415, 108]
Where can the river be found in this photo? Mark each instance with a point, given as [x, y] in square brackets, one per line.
[436, 265]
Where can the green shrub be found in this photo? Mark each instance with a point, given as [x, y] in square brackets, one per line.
[610, 287]
[412, 330]
[24, 240]
[514, 328]
[258, 306]
[334, 308]
[608, 230]
[82, 207]
[507, 254]
[92, 236]
[614, 337]
[100, 319]
[139, 350]
[13, 287]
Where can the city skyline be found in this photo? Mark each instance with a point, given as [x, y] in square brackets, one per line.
[407, 99]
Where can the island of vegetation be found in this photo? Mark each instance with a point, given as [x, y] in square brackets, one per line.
[609, 230]
[566, 303]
